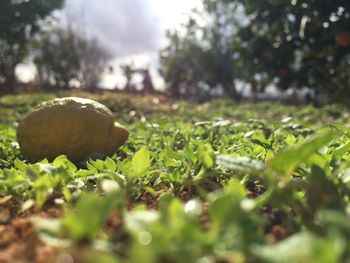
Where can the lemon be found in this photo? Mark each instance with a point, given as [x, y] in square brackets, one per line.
[72, 126]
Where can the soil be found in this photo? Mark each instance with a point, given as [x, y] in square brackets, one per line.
[18, 239]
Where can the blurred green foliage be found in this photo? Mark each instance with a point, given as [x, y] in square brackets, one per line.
[215, 182]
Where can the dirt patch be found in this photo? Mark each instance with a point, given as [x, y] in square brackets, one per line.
[19, 242]
[18, 239]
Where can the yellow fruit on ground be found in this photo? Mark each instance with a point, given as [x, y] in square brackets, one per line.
[72, 126]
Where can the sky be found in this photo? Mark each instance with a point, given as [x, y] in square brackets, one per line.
[131, 30]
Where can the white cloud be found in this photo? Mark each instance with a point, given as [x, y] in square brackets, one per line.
[125, 27]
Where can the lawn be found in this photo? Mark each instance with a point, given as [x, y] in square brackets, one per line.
[215, 182]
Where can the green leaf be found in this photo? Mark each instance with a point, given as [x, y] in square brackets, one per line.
[63, 161]
[207, 160]
[320, 191]
[109, 186]
[300, 248]
[236, 188]
[345, 176]
[206, 153]
[341, 150]
[290, 140]
[287, 161]
[138, 220]
[110, 164]
[140, 162]
[225, 209]
[239, 163]
[92, 256]
[20, 165]
[87, 218]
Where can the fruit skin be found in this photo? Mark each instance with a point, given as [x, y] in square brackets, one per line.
[72, 126]
[343, 39]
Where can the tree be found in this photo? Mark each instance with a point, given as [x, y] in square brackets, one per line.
[180, 65]
[65, 56]
[93, 60]
[202, 55]
[219, 54]
[56, 58]
[295, 44]
[147, 83]
[19, 21]
[286, 43]
[128, 72]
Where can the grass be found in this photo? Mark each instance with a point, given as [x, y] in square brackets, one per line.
[216, 182]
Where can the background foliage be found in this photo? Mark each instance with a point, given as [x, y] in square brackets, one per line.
[19, 21]
[64, 56]
[289, 44]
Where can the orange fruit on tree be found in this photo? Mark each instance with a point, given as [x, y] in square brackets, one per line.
[343, 39]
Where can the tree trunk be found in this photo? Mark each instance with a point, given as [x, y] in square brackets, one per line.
[10, 81]
[231, 91]
[316, 101]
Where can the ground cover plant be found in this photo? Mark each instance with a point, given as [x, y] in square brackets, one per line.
[215, 182]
